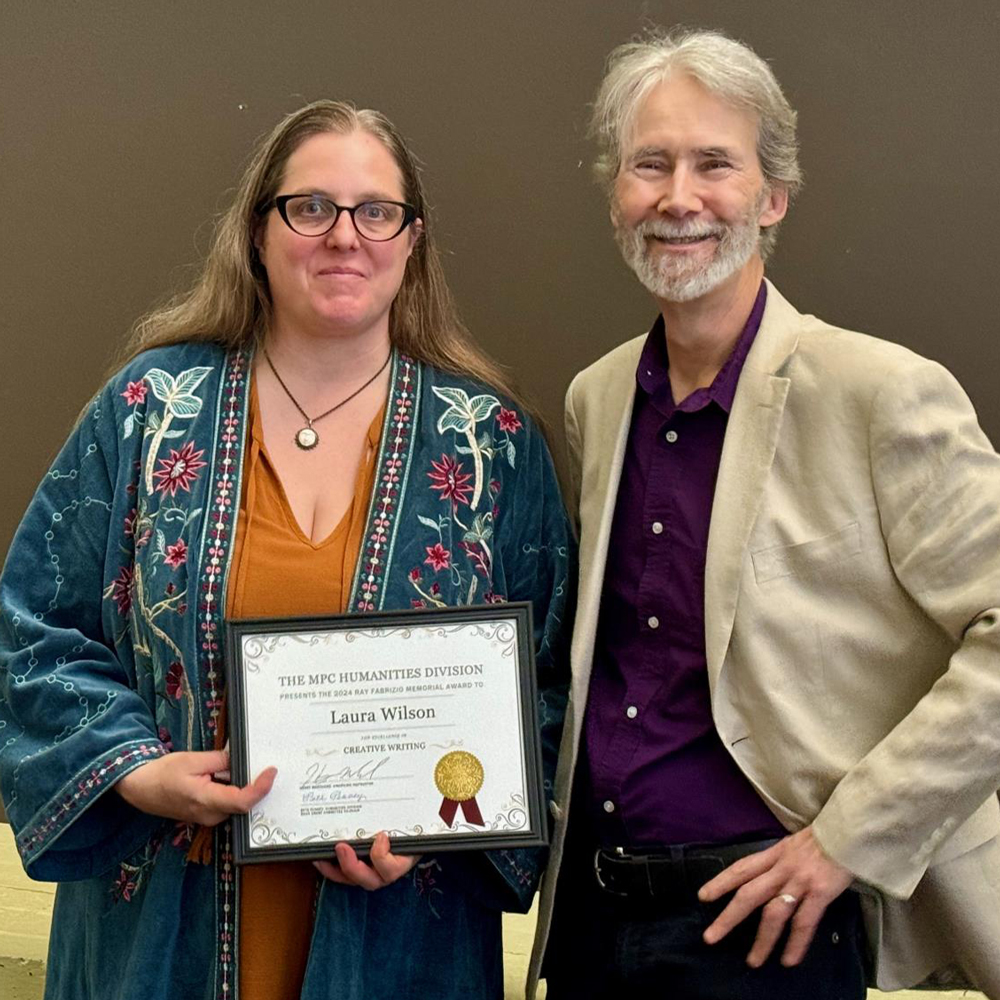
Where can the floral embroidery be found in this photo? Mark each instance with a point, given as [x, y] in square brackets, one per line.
[450, 480]
[462, 416]
[438, 557]
[179, 403]
[120, 590]
[175, 680]
[508, 421]
[428, 596]
[397, 447]
[180, 470]
[133, 873]
[176, 554]
[135, 392]
[424, 875]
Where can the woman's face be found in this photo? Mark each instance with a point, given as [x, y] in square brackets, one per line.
[339, 283]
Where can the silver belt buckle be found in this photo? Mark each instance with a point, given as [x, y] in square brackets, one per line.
[620, 851]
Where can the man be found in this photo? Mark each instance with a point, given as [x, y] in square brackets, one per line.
[783, 740]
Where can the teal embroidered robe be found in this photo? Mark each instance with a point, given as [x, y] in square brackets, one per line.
[110, 655]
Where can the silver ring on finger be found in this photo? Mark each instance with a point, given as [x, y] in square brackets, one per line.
[788, 899]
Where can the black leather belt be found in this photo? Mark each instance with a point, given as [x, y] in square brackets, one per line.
[675, 872]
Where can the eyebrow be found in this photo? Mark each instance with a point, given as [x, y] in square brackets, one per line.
[708, 152]
[363, 197]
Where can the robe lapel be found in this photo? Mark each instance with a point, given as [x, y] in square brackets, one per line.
[747, 457]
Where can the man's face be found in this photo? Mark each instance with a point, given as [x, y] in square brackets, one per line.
[690, 197]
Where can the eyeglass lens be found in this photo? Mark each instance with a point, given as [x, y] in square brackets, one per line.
[311, 215]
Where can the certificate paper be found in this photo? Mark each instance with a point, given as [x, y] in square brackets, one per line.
[422, 724]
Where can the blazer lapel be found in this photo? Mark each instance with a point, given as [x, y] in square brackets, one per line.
[747, 456]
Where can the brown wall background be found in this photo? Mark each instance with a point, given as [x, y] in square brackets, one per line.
[124, 126]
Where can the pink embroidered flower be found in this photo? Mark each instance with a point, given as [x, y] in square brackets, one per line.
[416, 603]
[509, 421]
[438, 556]
[183, 835]
[169, 589]
[477, 557]
[490, 598]
[124, 886]
[494, 486]
[435, 589]
[121, 590]
[165, 738]
[129, 526]
[415, 574]
[180, 470]
[451, 480]
[135, 392]
[175, 680]
[176, 553]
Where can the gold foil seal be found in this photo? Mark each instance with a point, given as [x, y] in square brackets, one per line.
[459, 775]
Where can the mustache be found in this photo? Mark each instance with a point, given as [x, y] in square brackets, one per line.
[667, 229]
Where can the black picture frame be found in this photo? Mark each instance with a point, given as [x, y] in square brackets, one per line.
[533, 832]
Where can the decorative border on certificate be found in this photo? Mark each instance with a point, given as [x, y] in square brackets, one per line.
[420, 723]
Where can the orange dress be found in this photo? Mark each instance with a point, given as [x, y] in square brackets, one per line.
[278, 571]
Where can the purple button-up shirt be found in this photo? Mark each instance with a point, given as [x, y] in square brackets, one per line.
[656, 771]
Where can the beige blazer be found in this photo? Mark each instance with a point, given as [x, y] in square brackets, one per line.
[852, 622]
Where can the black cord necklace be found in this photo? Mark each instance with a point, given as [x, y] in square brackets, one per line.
[307, 438]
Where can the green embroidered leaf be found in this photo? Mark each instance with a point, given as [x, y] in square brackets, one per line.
[174, 434]
[128, 426]
[153, 423]
[184, 406]
[457, 397]
[464, 449]
[161, 382]
[189, 380]
[481, 407]
[427, 521]
[452, 420]
[511, 452]
[161, 542]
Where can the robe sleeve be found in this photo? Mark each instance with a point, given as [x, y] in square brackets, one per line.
[537, 546]
[71, 720]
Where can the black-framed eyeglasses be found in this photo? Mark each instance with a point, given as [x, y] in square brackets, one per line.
[314, 215]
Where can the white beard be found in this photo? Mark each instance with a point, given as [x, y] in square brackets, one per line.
[682, 279]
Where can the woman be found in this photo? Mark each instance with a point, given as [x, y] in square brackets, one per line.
[309, 430]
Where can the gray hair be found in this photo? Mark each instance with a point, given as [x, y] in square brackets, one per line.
[727, 68]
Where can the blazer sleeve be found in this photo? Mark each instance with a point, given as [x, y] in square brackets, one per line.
[71, 721]
[936, 481]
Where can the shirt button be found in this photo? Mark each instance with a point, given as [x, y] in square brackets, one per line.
[671, 436]
[653, 622]
[631, 711]
[657, 528]
[609, 806]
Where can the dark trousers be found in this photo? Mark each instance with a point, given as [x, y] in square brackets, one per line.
[648, 945]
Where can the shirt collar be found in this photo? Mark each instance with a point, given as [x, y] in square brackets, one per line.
[654, 364]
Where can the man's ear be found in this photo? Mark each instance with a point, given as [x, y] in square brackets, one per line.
[775, 205]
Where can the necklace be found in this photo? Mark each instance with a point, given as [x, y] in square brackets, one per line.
[307, 438]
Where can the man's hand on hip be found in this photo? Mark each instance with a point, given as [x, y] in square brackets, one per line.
[793, 880]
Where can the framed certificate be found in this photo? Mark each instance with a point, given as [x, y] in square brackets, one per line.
[419, 723]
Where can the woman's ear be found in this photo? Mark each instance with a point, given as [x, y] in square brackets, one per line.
[416, 233]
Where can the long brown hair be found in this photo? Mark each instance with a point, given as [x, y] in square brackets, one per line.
[230, 304]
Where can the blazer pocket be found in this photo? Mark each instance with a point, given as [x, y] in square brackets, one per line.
[807, 557]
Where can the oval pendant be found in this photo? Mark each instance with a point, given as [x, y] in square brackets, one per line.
[307, 439]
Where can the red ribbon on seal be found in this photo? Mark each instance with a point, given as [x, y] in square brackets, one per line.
[469, 809]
